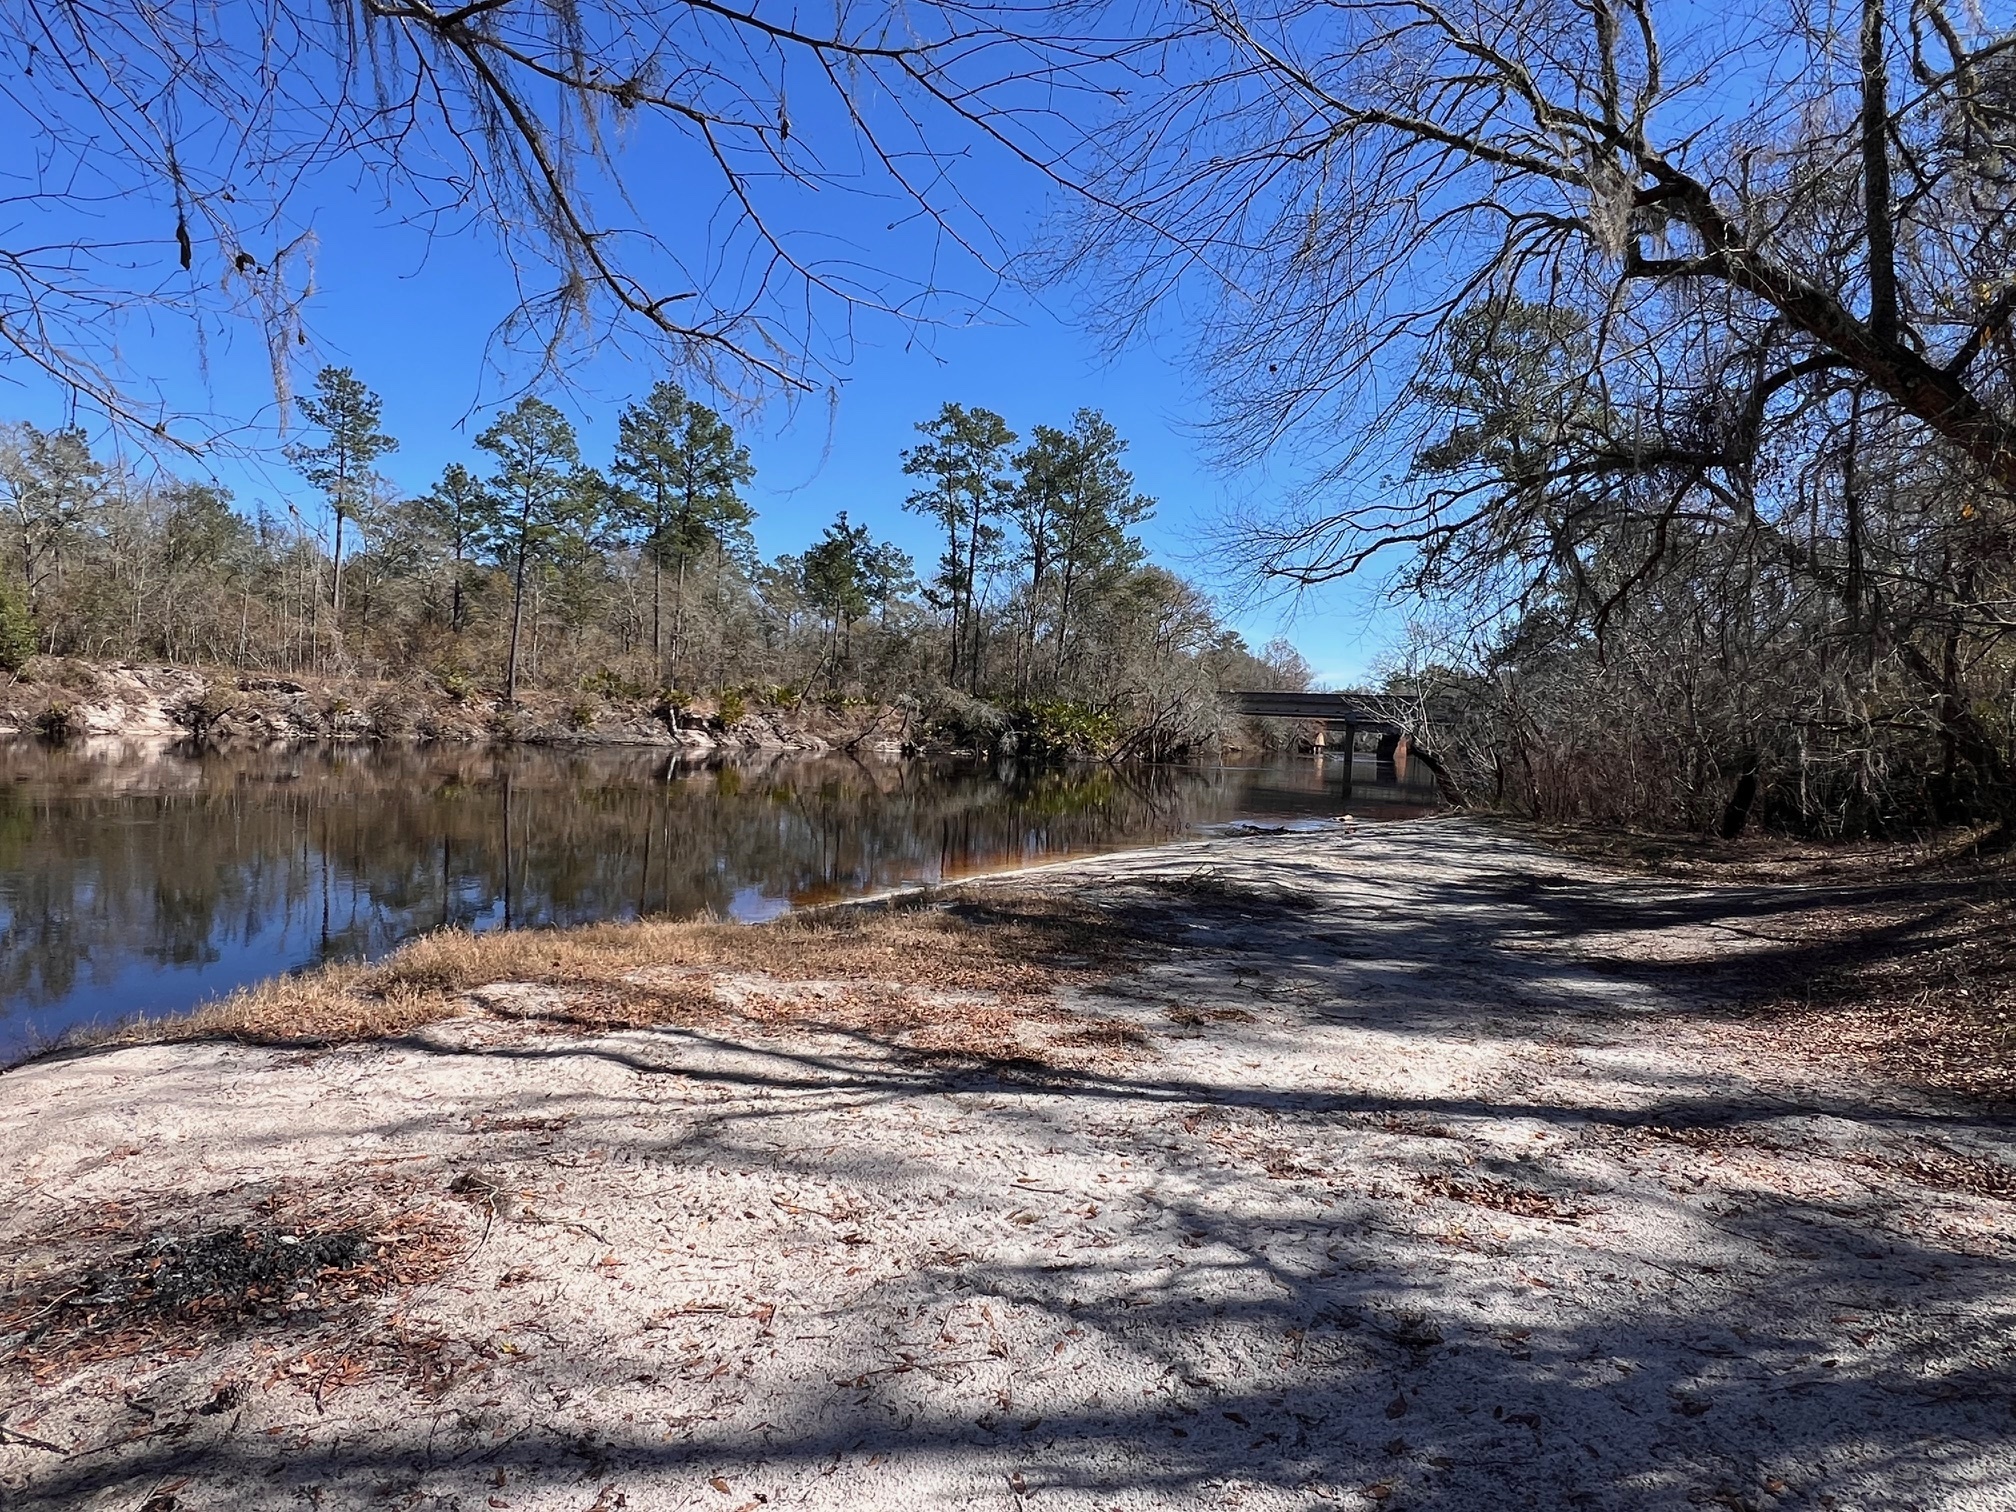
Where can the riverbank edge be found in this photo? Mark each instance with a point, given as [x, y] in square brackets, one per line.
[223, 709]
[64, 699]
[446, 975]
[1915, 983]
[430, 978]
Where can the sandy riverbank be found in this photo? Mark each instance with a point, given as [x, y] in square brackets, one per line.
[217, 707]
[1408, 1166]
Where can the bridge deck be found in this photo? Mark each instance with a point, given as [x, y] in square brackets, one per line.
[1367, 711]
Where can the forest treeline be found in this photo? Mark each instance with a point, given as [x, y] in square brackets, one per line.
[639, 576]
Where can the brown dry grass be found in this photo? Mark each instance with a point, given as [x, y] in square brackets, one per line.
[1007, 952]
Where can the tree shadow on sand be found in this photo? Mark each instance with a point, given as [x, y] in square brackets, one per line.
[1312, 1291]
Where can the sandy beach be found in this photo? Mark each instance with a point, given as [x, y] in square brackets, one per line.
[1398, 1166]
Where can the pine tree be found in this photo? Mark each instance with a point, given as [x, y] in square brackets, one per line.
[453, 512]
[964, 456]
[340, 465]
[681, 471]
[539, 505]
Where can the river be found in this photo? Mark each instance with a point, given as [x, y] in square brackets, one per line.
[147, 882]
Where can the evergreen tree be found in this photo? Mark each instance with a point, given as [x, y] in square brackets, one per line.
[340, 464]
[538, 506]
[680, 470]
[50, 484]
[17, 632]
[453, 512]
[1077, 503]
[963, 456]
[846, 573]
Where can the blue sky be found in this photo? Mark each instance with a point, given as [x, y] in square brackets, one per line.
[413, 315]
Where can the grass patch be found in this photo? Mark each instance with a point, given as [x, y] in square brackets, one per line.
[1010, 952]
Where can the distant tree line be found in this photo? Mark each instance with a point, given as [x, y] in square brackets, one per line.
[528, 565]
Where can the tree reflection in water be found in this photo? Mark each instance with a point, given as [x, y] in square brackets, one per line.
[147, 882]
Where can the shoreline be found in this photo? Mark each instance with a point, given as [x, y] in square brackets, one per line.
[248, 1011]
[217, 708]
[1265, 1162]
[1789, 866]
[395, 844]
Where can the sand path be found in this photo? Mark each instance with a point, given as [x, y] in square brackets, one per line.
[1432, 1184]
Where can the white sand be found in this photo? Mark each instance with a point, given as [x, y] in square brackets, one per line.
[1234, 1270]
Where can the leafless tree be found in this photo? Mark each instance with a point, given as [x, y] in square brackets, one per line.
[1570, 296]
[674, 172]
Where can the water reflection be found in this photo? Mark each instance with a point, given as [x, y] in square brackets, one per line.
[134, 882]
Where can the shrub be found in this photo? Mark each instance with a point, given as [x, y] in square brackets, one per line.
[611, 686]
[964, 721]
[669, 705]
[77, 676]
[582, 715]
[394, 713]
[200, 712]
[57, 723]
[731, 709]
[17, 632]
[455, 683]
[1052, 729]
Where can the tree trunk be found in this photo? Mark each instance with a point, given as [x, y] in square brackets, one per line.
[336, 588]
[972, 589]
[1737, 812]
[679, 614]
[1064, 613]
[517, 620]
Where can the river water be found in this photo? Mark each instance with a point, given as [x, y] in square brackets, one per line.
[142, 882]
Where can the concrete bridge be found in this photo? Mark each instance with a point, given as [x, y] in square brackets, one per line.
[1391, 719]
